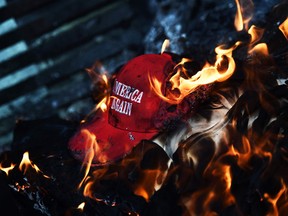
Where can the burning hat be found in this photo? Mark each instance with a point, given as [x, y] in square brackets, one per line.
[135, 112]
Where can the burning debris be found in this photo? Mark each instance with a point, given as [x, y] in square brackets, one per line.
[228, 158]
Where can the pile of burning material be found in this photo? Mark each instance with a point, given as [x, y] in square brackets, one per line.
[229, 157]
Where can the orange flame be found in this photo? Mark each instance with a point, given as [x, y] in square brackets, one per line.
[90, 181]
[219, 188]
[103, 103]
[256, 34]
[209, 74]
[7, 169]
[273, 200]
[150, 182]
[26, 163]
[92, 149]
[284, 28]
[97, 72]
[244, 14]
[260, 48]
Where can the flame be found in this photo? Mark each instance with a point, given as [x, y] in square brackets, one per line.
[244, 14]
[103, 103]
[165, 45]
[147, 182]
[81, 206]
[7, 169]
[222, 69]
[260, 48]
[150, 182]
[256, 34]
[92, 149]
[218, 188]
[98, 74]
[89, 191]
[273, 200]
[284, 28]
[26, 163]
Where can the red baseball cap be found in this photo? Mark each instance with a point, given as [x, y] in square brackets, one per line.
[134, 112]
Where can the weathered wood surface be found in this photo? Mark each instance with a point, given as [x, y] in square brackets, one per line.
[45, 47]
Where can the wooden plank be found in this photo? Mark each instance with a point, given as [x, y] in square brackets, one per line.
[74, 61]
[55, 45]
[6, 141]
[70, 99]
[19, 8]
[48, 18]
[13, 110]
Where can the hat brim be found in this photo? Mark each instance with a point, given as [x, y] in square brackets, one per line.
[101, 143]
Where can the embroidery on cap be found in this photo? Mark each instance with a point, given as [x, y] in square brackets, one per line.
[131, 137]
[127, 92]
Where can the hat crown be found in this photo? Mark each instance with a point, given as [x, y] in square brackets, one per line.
[134, 104]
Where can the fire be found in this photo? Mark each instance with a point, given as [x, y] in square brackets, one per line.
[103, 104]
[81, 206]
[92, 149]
[218, 173]
[260, 48]
[273, 200]
[7, 169]
[222, 69]
[220, 168]
[26, 163]
[244, 14]
[284, 28]
[224, 65]
[234, 152]
[165, 45]
[219, 180]
[150, 182]
[256, 34]
[99, 76]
